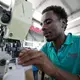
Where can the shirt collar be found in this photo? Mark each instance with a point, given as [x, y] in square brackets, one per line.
[50, 44]
[68, 40]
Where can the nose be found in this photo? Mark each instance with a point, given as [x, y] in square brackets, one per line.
[44, 27]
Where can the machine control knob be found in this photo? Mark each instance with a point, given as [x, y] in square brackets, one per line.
[2, 62]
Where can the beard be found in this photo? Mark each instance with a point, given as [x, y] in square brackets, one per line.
[48, 40]
[51, 39]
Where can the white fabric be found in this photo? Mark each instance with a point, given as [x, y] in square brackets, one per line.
[17, 74]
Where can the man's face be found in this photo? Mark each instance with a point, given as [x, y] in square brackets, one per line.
[52, 26]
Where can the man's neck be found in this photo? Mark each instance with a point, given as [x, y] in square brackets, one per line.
[59, 41]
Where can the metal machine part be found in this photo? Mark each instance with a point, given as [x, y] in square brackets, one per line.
[13, 47]
[5, 18]
[2, 62]
[9, 50]
[5, 13]
[10, 39]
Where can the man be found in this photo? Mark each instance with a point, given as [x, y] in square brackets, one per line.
[60, 56]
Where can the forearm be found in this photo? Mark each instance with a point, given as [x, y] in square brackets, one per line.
[64, 75]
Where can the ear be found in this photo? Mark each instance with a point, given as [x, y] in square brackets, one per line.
[64, 24]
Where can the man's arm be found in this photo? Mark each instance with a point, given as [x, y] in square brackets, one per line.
[38, 58]
[60, 74]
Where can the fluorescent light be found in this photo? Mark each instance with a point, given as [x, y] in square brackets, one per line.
[37, 15]
[74, 20]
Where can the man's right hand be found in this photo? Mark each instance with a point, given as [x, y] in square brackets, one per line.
[38, 58]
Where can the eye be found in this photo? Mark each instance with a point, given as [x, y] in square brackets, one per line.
[41, 24]
[48, 21]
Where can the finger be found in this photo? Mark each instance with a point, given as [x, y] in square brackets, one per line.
[26, 53]
[23, 51]
[31, 62]
[28, 57]
[20, 54]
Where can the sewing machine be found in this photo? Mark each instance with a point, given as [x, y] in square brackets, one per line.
[15, 20]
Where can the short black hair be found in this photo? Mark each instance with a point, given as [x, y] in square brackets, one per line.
[58, 10]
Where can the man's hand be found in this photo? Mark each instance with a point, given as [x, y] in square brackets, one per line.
[38, 58]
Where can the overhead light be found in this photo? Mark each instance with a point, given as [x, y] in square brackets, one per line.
[37, 15]
[74, 20]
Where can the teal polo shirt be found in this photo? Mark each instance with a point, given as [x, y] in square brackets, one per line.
[68, 56]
